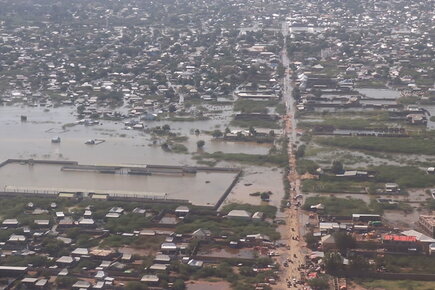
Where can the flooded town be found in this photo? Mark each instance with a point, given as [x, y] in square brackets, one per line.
[217, 144]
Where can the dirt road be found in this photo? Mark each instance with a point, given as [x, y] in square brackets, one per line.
[295, 253]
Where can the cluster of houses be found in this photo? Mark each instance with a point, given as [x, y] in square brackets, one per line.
[92, 265]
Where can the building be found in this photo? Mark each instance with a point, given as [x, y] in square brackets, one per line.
[392, 188]
[427, 223]
[239, 214]
[399, 243]
[358, 217]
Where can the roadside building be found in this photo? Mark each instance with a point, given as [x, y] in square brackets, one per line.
[397, 243]
[427, 223]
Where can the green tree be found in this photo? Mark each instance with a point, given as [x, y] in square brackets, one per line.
[179, 285]
[333, 263]
[200, 144]
[344, 241]
[319, 283]
[217, 133]
[337, 167]
[359, 264]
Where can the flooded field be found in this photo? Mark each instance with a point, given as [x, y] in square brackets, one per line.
[202, 188]
[32, 139]
[258, 179]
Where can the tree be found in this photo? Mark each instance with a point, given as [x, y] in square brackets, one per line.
[319, 283]
[252, 131]
[172, 108]
[227, 130]
[333, 263]
[134, 285]
[166, 127]
[359, 264]
[344, 241]
[179, 285]
[311, 240]
[200, 144]
[296, 93]
[300, 152]
[337, 167]
[217, 133]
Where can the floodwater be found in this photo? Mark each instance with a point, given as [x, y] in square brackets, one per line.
[202, 188]
[258, 179]
[32, 139]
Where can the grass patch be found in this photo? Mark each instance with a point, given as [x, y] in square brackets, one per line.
[347, 123]
[396, 284]
[256, 123]
[328, 186]
[408, 264]
[304, 165]
[338, 206]
[248, 106]
[406, 176]
[415, 145]
[234, 229]
[279, 159]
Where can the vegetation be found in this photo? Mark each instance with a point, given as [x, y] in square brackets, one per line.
[306, 165]
[406, 176]
[396, 284]
[256, 123]
[338, 206]
[249, 106]
[407, 264]
[385, 144]
[279, 159]
[200, 144]
[330, 184]
[232, 228]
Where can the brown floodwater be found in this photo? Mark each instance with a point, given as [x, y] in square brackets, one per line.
[32, 139]
[203, 188]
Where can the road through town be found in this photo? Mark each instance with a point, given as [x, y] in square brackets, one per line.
[294, 253]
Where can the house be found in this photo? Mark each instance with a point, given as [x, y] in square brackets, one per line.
[10, 223]
[158, 267]
[42, 223]
[162, 259]
[201, 234]
[85, 222]
[182, 211]
[150, 279]
[239, 214]
[80, 252]
[65, 261]
[427, 223]
[258, 215]
[81, 285]
[399, 243]
[195, 263]
[327, 242]
[392, 188]
[169, 248]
